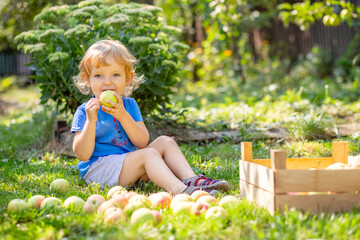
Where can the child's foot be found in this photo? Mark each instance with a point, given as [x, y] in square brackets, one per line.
[190, 189]
[201, 181]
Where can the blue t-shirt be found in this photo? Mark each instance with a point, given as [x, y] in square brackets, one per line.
[110, 137]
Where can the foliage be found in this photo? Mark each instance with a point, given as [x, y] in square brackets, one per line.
[64, 33]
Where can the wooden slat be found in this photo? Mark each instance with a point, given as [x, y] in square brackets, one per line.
[256, 174]
[318, 203]
[339, 152]
[317, 180]
[259, 196]
[299, 163]
[278, 159]
[246, 151]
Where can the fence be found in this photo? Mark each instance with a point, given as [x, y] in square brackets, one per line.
[14, 63]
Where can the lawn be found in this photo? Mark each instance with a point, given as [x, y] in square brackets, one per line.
[28, 165]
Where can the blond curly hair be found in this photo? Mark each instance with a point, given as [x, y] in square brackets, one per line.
[96, 56]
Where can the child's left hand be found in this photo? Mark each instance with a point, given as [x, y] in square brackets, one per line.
[118, 108]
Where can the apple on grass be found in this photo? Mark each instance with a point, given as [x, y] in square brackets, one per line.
[35, 201]
[198, 193]
[182, 207]
[143, 216]
[17, 205]
[119, 193]
[130, 194]
[114, 215]
[92, 203]
[160, 200]
[216, 213]
[183, 197]
[229, 201]
[211, 200]
[51, 203]
[108, 95]
[197, 208]
[115, 189]
[74, 203]
[140, 199]
[157, 215]
[59, 185]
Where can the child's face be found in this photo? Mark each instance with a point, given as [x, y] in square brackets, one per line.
[110, 77]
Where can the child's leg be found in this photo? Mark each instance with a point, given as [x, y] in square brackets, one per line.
[149, 162]
[173, 157]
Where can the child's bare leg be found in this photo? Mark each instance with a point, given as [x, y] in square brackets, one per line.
[149, 162]
[173, 157]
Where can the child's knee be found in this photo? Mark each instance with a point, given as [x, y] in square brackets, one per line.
[165, 140]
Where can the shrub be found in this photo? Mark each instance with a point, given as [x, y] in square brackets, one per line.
[65, 32]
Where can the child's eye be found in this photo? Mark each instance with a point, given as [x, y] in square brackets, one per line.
[116, 75]
[97, 75]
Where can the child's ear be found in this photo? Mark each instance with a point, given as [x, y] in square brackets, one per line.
[129, 78]
[85, 78]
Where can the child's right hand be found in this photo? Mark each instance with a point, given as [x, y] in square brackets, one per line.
[91, 108]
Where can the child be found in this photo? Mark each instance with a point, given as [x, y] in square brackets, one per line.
[112, 142]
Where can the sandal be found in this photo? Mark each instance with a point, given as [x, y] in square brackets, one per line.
[190, 189]
[207, 183]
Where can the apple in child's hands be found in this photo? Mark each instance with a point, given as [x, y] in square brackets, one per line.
[17, 205]
[35, 201]
[108, 95]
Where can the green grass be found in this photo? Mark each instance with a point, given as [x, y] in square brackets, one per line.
[27, 168]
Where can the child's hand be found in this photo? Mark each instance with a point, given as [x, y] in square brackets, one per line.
[118, 108]
[92, 108]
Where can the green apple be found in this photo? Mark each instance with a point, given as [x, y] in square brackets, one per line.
[229, 201]
[183, 197]
[216, 213]
[51, 203]
[59, 185]
[92, 203]
[74, 203]
[142, 216]
[17, 205]
[210, 200]
[108, 95]
[35, 201]
[182, 207]
[114, 190]
[140, 200]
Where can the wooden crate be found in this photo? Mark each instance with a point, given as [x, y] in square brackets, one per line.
[280, 181]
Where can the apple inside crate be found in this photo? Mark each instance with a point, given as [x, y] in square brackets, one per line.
[304, 183]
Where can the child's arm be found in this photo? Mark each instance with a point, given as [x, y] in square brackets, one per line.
[84, 141]
[136, 131]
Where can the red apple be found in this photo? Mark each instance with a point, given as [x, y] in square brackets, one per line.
[74, 203]
[160, 200]
[130, 194]
[198, 208]
[17, 205]
[216, 213]
[119, 201]
[143, 216]
[114, 215]
[157, 215]
[35, 201]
